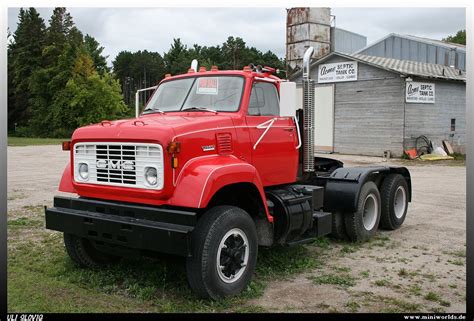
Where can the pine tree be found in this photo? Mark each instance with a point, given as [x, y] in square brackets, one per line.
[62, 44]
[137, 70]
[95, 51]
[460, 37]
[234, 50]
[177, 59]
[25, 56]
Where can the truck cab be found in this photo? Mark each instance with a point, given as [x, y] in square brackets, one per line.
[214, 167]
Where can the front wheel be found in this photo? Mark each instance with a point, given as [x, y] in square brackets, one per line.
[224, 253]
[84, 254]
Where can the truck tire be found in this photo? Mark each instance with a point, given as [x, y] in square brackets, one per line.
[394, 194]
[363, 223]
[84, 254]
[224, 253]
[338, 227]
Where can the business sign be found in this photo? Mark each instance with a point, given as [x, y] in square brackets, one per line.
[420, 92]
[337, 72]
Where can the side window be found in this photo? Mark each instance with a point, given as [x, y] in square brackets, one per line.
[264, 100]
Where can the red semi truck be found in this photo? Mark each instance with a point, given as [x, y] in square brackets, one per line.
[218, 164]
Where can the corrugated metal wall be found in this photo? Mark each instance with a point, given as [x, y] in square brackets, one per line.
[410, 49]
[346, 42]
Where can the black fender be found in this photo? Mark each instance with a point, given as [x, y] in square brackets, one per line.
[344, 184]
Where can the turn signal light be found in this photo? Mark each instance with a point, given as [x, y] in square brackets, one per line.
[174, 147]
[174, 162]
[67, 145]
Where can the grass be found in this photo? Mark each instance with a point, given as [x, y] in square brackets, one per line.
[415, 289]
[342, 280]
[402, 272]
[26, 141]
[42, 278]
[400, 306]
[432, 296]
[382, 282]
[435, 297]
[353, 306]
[458, 156]
[365, 273]
[391, 304]
[456, 262]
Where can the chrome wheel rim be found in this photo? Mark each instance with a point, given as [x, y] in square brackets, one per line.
[399, 202]
[369, 216]
[232, 255]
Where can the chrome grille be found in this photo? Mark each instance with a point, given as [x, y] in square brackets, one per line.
[120, 164]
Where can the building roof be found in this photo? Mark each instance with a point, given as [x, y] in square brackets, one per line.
[403, 67]
[439, 43]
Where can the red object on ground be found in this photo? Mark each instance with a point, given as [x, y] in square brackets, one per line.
[411, 153]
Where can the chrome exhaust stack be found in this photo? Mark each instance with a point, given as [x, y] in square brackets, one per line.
[308, 114]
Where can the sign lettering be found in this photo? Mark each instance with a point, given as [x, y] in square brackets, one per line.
[420, 92]
[337, 72]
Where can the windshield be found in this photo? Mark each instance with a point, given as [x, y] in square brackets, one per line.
[220, 93]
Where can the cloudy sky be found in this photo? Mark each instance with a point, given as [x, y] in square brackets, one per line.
[153, 29]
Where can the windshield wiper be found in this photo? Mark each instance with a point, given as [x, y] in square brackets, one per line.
[199, 109]
[152, 111]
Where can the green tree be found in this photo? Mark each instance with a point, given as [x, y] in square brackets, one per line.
[60, 27]
[138, 70]
[460, 38]
[95, 51]
[24, 57]
[177, 59]
[87, 98]
[234, 51]
[63, 43]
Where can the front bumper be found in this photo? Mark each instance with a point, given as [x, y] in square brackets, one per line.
[132, 226]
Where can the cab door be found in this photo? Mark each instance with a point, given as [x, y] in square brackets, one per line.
[273, 138]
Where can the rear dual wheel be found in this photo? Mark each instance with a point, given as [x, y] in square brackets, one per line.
[363, 223]
[394, 193]
[387, 208]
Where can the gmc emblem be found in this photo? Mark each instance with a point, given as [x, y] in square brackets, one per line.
[115, 164]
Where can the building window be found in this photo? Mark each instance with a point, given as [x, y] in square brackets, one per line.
[453, 124]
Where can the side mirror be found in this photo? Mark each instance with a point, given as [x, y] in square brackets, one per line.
[288, 99]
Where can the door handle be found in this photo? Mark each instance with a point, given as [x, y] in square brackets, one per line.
[289, 129]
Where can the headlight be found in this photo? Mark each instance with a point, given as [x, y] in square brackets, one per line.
[83, 171]
[151, 176]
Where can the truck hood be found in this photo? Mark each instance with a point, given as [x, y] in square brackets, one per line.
[155, 127]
